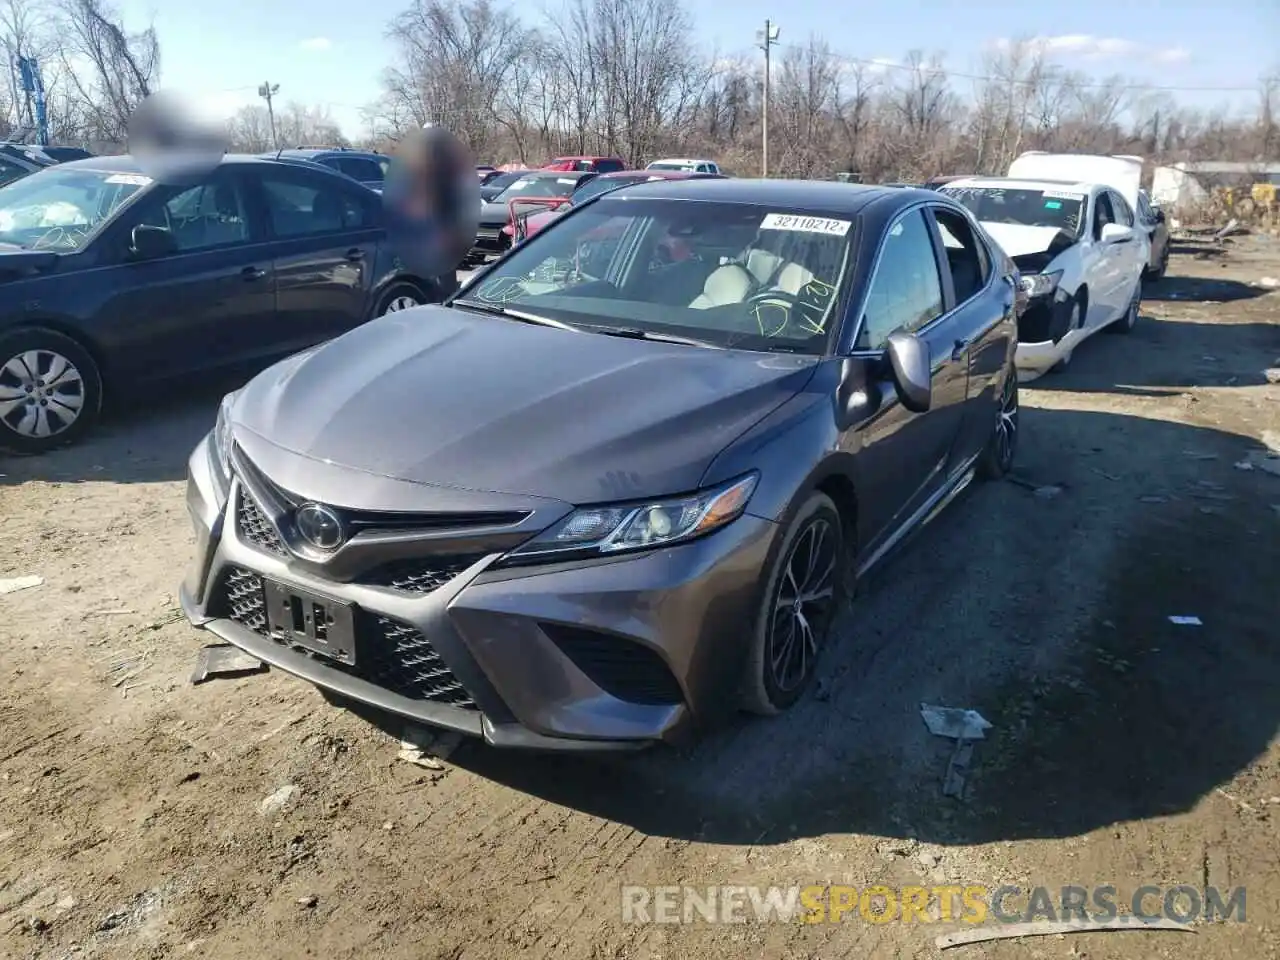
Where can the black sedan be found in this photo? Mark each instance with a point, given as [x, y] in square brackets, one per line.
[496, 213]
[629, 491]
[492, 186]
[108, 278]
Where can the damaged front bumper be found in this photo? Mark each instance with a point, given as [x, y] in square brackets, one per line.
[1045, 332]
[577, 656]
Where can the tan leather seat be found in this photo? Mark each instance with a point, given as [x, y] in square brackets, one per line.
[731, 283]
[764, 271]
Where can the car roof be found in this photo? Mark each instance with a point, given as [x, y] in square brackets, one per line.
[1017, 183]
[124, 163]
[654, 174]
[554, 174]
[814, 194]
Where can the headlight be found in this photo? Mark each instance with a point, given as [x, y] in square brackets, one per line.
[1040, 284]
[606, 530]
[222, 436]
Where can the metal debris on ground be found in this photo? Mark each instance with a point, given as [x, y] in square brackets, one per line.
[1040, 928]
[1270, 283]
[14, 584]
[224, 660]
[427, 748]
[965, 727]
[309, 901]
[1186, 621]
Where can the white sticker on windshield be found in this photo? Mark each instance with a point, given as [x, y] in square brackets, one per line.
[787, 221]
[565, 180]
[1062, 195]
[136, 179]
[521, 183]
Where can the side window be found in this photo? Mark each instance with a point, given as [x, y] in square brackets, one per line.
[360, 168]
[704, 168]
[202, 217]
[906, 292]
[10, 172]
[303, 208]
[1123, 212]
[966, 257]
[607, 165]
[1102, 214]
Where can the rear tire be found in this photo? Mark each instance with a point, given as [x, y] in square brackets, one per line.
[802, 592]
[50, 391]
[997, 457]
[399, 296]
[1130, 319]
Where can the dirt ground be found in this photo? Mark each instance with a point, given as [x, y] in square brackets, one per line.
[1125, 749]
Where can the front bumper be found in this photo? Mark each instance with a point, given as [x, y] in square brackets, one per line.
[591, 655]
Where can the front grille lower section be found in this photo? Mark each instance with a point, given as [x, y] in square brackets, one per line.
[389, 653]
[621, 668]
[255, 528]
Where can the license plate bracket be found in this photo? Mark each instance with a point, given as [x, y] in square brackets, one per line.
[317, 624]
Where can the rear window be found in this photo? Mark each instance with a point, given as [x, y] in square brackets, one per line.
[608, 165]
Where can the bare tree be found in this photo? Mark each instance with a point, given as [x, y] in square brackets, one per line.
[116, 69]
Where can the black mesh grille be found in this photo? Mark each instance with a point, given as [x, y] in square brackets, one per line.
[421, 575]
[255, 528]
[621, 668]
[389, 653]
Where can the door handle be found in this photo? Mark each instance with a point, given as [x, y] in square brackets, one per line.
[253, 273]
[355, 254]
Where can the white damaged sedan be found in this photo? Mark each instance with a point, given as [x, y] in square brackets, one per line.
[1079, 253]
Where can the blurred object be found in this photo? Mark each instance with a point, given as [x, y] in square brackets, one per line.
[432, 200]
[172, 142]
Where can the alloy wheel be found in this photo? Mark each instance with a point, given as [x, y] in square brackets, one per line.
[41, 393]
[803, 606]
[402, 302]
[1007, 424]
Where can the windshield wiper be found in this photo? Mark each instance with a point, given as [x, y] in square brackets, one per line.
[635, 333]
[495, 310]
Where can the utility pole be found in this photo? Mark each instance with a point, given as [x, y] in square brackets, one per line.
[266, 92]
[766, 38]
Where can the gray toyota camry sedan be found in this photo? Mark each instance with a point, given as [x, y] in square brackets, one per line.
[623, 480]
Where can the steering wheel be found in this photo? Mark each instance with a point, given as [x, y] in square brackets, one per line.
[772, 310]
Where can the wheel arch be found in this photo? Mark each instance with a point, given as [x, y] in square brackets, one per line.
[72, 332]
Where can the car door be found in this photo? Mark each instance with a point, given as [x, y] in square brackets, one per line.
[1136, 252]
[208, 303]
[902, 456]
[983, 322]
[1107, 266]
[326, 232]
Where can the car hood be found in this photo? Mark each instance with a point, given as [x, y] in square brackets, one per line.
[444, 397]
[494, 214]
[1016, 239]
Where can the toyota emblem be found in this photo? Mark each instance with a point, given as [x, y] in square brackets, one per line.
[319, 526]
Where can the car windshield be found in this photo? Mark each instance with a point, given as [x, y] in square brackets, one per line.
[728, 275]
[59, 208]
[538, 187]
[1028, 207]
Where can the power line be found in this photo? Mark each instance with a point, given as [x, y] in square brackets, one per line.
[959, 75]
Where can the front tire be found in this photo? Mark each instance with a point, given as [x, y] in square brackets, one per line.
[803, 591]
[997, 457]
[50, 391]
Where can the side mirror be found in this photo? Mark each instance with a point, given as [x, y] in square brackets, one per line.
[1116, 233]
[150, 243]
[909, 364]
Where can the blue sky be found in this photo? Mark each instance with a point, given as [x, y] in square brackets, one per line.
[332, 52]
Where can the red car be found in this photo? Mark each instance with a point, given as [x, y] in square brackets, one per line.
[525, 224]
[596, 164]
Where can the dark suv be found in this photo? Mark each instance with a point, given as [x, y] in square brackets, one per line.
[368, 168]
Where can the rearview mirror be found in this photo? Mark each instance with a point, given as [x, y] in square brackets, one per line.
[908, 357]
[1116, 233]
[151, 242]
